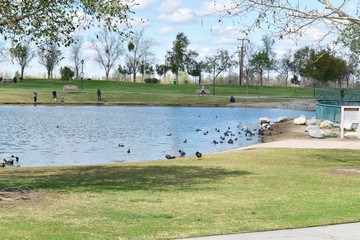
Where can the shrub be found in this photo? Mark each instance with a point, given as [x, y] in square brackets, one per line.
[151, 80]
[66, 73]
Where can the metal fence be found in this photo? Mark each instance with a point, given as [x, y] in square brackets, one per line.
[328, 104]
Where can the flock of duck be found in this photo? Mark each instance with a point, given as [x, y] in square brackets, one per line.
[226, 137]
[10, 162]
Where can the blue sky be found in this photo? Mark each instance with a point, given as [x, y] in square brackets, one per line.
[166, 18]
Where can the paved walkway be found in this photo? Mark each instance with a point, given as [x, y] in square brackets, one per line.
[335, 143]
[350, 231]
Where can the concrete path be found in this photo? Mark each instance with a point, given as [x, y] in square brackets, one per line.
[309, 143]
[350, 231]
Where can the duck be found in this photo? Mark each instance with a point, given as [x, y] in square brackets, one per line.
[128, 151]
[121, 145]
[182, 153]
[169, 156]
[198, 154]
[230, 141]
[15, 158]
[9, 162]
[185, 141]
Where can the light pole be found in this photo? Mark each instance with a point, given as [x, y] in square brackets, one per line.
[214, 80]
[82, 74]
[314, 80]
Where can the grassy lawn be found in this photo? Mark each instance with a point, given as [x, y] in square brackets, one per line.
[140, 93]
[231, 192]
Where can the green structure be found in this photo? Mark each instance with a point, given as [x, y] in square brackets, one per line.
[328, 104]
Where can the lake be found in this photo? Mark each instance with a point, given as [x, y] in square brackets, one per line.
[75, 135]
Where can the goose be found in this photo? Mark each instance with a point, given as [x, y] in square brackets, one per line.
[169, 156]
[15, 158]
[9, 162]
[198, 154]
[182, 153]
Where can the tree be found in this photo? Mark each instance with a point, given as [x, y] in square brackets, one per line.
[291, 17]
[66, 73]
[285, 65]
[195, 69]
[259, 63]
[43, 21]
[218, 63]
[108, 49]
[179, 55]
[138, 50]
[23, 56]
[49, 56]
[75, 52]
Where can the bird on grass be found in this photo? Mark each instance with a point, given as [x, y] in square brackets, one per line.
[169, 156]
[182, 153]
[198, 154]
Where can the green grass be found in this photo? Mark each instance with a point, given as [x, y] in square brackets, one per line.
[140, 93]
[232, 192]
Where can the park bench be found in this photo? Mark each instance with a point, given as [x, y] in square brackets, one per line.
[70, 88]
[6, 81]
[198, 92]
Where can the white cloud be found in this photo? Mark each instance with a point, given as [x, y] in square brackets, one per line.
[169, 6]
[183, 15]
[166, 30]
[211, 7]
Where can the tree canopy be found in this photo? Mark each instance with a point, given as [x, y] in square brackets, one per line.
[41, 20]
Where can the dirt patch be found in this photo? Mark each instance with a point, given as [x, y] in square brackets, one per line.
[286, 130]
[346, 171]
[12, 195]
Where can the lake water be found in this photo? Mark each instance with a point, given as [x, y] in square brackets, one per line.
[74, 135]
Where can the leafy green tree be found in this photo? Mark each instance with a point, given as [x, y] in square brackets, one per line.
[22, 55]
[259, 63]
[43, 21]
[66, 73]
[179, 55]
[195, 69]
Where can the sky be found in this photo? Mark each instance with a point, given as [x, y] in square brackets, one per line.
[165, 19]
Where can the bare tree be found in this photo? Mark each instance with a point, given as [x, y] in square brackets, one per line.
[138, 52]
[76, 55]
[108, 49]
[49, 56]
[285, 65]
[2, 51]
[290, 17]
[218, 63]
[22, 55]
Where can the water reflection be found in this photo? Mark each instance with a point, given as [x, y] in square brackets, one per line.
[74, 135]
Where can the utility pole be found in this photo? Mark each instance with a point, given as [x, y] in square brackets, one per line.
[241, 59]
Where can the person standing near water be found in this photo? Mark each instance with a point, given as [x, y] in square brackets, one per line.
[99, 94]
[35, 96]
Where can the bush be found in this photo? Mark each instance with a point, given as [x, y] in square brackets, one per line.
[66, 73]
[151, 80]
